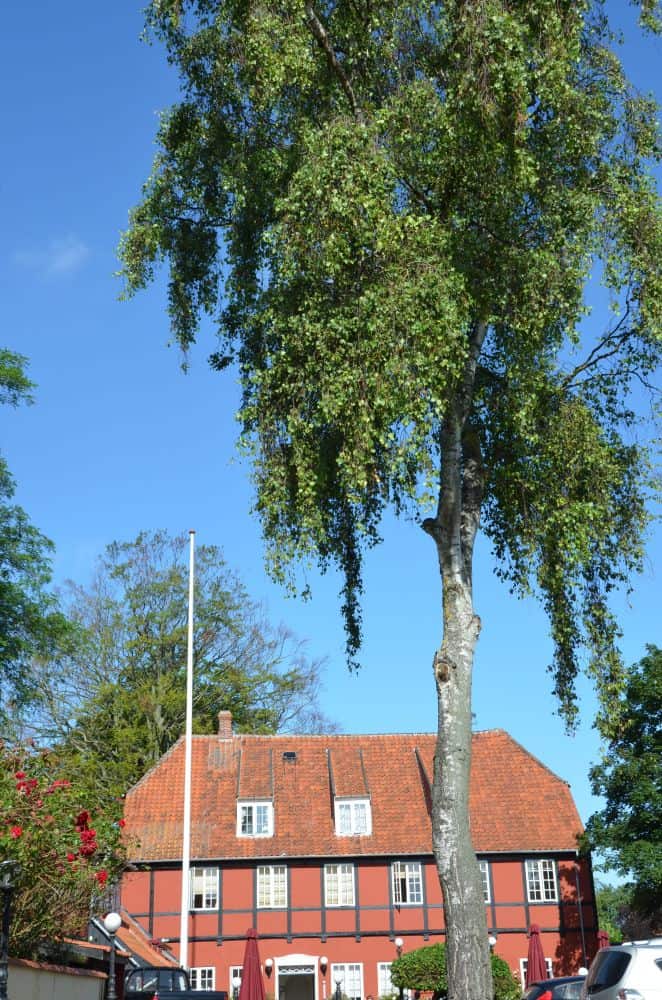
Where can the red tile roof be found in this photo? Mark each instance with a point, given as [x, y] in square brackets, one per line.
[517, 804]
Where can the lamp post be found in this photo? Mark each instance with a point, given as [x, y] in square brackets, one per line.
[399, 945]
[9, 872]
[112, 922]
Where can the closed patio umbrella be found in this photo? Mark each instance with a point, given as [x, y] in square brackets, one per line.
[535, 960]
[603, 939]
[252, 985]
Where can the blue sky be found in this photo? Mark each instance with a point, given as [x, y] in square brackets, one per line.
[121, 440]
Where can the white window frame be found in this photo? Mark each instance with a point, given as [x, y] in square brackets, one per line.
[203, 882]
[353, 817]
[485, 875]
[235, 970]
[541, 880]
[202, 978]
[385, 987]
[523, 962]
[339, 888]
[411, 874]
[255, 818]
[271, 887]
[341, 971]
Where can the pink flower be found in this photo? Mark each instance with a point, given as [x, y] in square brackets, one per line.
[19, 774]
[16, 832]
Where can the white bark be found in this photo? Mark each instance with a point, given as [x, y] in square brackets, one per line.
[454, 530]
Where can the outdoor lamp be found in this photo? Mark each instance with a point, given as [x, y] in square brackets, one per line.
[492, 940]
[268, 965]
[323, 964]
[9, 872]
[399, 945]
[112, 922]
[236, 983]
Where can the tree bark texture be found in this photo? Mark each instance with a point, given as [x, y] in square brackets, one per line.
[454, 531]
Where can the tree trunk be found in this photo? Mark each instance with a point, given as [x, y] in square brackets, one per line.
[454, 531]
[467, 947]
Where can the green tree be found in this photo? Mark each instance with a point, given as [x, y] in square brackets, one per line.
[392, 211]
[117, 702]
[30, 622]
[628, 829]
[67, 846]
[613, 903]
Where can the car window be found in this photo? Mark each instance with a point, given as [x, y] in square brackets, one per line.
[568, 991]
[606, 970]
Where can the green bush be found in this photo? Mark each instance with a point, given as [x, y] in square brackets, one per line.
[424, 969]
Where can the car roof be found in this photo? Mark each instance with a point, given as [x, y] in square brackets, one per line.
[556, 980]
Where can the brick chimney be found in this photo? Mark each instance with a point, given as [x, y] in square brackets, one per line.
[225, 725]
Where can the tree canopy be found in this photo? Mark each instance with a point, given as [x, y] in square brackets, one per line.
[392, 212]
[424, 970]
[30, 621]
[116, 702]
[628, 829]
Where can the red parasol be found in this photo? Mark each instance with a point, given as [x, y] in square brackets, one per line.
[603, 939]
[535, 961]
[252, 985]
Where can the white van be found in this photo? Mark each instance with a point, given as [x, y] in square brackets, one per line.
[631, 971]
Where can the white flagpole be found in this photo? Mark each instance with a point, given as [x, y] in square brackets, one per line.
[188, 740]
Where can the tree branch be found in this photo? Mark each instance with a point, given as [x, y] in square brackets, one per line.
[322, 37]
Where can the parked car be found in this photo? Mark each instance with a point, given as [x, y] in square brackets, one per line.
[158, 983]
[630, 971]
[561, 988]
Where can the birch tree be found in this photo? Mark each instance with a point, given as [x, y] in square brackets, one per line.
[391, 212]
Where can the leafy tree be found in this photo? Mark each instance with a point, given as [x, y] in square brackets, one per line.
[613, 903]
[68, 848]
[30, 622]
[628, 829]
[392, 210]
[117, 701]
[424, 969]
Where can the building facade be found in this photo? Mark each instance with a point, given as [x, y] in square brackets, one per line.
[323, 845]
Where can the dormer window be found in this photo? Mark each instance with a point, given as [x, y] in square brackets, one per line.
[353, 817]
[255, 819]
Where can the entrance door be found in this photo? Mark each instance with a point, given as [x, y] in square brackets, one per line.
[296, 979]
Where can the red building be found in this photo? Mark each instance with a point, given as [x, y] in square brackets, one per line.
[323, 844]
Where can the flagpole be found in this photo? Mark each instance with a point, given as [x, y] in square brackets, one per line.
[188, 740]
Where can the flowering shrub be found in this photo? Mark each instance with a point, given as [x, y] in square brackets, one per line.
[68, 849]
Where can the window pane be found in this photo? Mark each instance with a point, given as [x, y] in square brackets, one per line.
[485, 875]
[247, 820]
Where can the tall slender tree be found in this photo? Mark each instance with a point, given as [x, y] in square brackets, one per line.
[392, 210]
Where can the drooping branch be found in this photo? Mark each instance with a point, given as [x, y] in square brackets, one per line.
[321, 35]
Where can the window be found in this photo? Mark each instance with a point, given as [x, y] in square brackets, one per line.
[255, 819]
[204, 888]
[350, 977]
[407, 885]
[339, 885]
[271, 887]
[353, 817]
[385, 987]
[541, 881]
[523, 962]
[485, 875]
[203, 978]
[236, 972]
